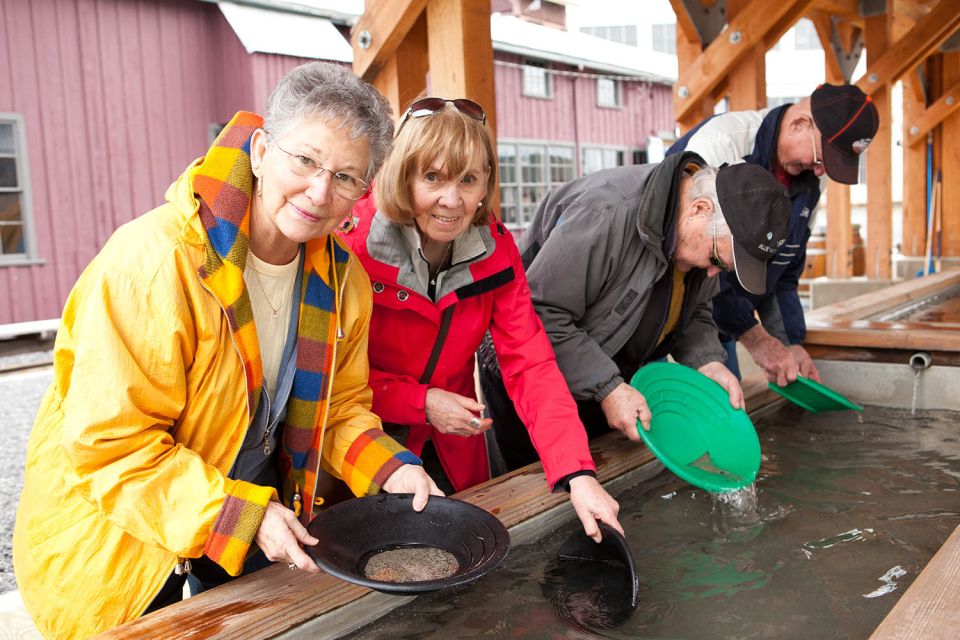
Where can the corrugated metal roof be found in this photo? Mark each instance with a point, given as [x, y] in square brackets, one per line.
[521, 37]
[300, 28]
[263, 30]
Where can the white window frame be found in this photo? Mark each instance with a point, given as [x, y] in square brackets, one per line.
[524, 212]
[526, 72]
[617, 102]
[23, 188]
[624, 157]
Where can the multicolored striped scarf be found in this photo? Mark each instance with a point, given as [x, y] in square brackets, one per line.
[223, 183]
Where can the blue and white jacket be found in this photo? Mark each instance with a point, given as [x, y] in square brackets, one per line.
[751, 136]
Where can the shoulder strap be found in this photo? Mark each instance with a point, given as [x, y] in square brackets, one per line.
[445, 321]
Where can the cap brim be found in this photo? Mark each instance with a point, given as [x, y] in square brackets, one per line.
[841, 167]
[751, 272]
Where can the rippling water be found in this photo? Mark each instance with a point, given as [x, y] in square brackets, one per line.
[844, 514]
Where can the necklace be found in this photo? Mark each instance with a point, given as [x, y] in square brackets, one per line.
[276, 310]
[436, 272]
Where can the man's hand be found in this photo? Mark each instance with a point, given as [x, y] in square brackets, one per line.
[592, 503]
[280, 536]
[725, 378]
[770, 354]
[451, 413]
[623, 407]
[804, 362]
[411, 478]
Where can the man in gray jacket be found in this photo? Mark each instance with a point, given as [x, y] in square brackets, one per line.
[622, 266]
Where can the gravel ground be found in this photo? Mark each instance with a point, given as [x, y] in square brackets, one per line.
[20, 395]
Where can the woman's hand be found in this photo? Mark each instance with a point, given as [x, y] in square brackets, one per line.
[454, 414]
[592, 503]
[725, 378]
[411, 478]
[280, 536]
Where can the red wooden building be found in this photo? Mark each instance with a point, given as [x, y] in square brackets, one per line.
[104, 102]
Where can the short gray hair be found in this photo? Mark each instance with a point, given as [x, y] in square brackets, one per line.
[705, 186]
[332, 92]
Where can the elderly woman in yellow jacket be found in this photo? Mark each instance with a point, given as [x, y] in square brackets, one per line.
[210, 360]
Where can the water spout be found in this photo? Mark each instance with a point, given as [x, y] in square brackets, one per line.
[921, 361]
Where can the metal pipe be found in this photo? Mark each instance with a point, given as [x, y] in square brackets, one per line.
[921, 361]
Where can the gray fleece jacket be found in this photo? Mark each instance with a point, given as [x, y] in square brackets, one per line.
[593, 253]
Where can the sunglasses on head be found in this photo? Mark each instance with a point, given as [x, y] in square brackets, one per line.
[430, 106]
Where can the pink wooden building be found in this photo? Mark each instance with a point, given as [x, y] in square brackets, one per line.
[104, 102]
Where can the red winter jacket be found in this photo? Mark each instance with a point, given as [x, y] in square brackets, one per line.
[485, 288]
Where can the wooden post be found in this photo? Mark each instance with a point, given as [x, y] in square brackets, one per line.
[747, 84]
[879, 195]
[950, 162]
[687, 51]
[404, 75]
[461, 57]
[914, 170]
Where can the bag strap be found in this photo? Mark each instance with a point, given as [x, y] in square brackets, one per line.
[445, 320]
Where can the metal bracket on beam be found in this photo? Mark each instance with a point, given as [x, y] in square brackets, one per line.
[846, 59]
[952, 43]
[708, 21]
[873, 7]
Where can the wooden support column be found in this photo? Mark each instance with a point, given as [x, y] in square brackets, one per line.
[403, 75]
[688, 49]
[879, 194]
[747, 85]
[838, 58]
[950, 161]
[461, 56]
[914, 170]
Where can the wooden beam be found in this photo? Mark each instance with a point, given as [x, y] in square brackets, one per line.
[914, 210]
[824, 26]
[404, 76]
[868, 304]
[907, 52]
[461, 57]
[930, 607]
[950, 162]
[750, 28]
[879, 192]
[922, 123]
[747, 84]
[379, 32]
[684, 21]
[839, 229]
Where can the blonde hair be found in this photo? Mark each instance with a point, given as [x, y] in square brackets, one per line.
[449, 136]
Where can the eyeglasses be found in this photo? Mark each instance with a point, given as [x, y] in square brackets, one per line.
[715, 258]
[430, 106]
[816, 163]
[344, 184]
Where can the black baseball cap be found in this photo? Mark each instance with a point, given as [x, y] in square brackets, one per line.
[848, 121]
[757, 211]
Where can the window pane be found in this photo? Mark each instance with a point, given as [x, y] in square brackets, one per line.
[10, 207]
[607, 92]
[592, 160]
[507, 156]
[8, 172]
[6, 138]
[532, 195]
[11, 239]
[508, 196]
[536, 81]
[561, 164]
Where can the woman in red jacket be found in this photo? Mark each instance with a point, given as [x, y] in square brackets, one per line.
[443, 275]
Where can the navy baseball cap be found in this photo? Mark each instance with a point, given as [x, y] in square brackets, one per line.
[756, 208]
[848, 121]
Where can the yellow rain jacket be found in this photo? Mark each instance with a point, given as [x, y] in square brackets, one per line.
[127, 462]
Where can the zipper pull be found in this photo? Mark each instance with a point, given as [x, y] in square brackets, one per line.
[297, 501]
[266, 444]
